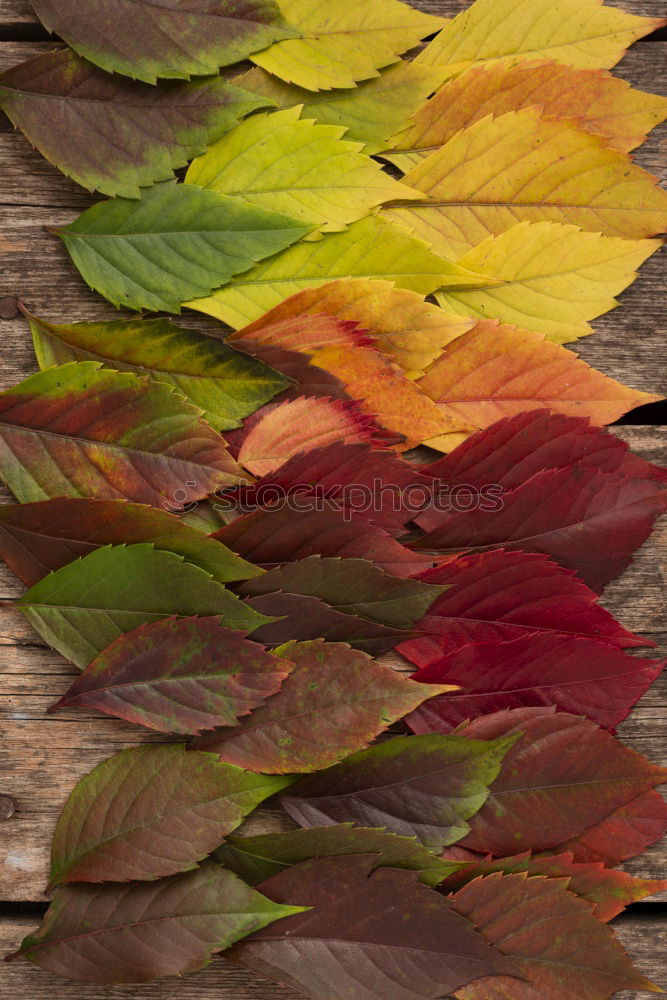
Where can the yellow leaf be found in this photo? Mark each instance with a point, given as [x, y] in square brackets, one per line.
[344, 42]
[291, 165]
[522, 167]
[370, 248]
[553, 278]
[371, 112]
[496, 371]
[581, 33]
[403, 325]
[599, 102]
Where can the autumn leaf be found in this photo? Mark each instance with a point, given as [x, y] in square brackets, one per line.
[355, 938]
[355, 586]
[309, 380]
[113, 134]
[417, 786]
[498, 596]
[360, 480]
[596, 100]
[224, 383]
[624, 834]
[274, 536]
[82, 607]
[297, 426]
[522, 167]
[563, 776]
[371, 112]
[611, 891]
[178, 675]
[151, 811]
[552, 936]
[370, 248]
[590, 522]
[401, 324]
[292, 165]
[548, 277]
[151, 40]
[580, 33]
[138, 932]
[37, 538]
[257, 858]
[176, 242]
[80, 430]
[343, 43]
[577, 675]
[334, 702]
[496, 370]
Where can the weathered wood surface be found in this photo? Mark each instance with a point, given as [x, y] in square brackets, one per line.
[42, 756]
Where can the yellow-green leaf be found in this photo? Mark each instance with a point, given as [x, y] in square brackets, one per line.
[344, 42]
[581, 33]
[522, 167]
[553, 278]
[370, 248]
[291, 165]
[371, 112]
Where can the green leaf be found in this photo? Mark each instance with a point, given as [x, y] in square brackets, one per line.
[177, 242]
[370, 248]
[371, 112]
[150, 39]
[138, 932]
[151, 811]
[227, 385]
[291, 165]
[79, 430]
[257, 858]
[344, 42]
[111, 134]
[81, 608]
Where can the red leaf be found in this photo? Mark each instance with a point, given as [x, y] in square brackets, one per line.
[562, 777]
[551, 935]
[575, 675]
[624, 834]
[496, 595]
[367, 936]
[271, 537]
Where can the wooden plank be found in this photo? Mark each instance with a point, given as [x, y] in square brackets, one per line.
[644, 936]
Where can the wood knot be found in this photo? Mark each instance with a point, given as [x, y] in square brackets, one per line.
[7, 807]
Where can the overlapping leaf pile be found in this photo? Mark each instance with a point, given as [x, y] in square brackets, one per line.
[235, 592]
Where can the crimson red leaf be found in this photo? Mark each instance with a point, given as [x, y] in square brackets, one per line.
[611, 891]
[179, 675]
[367, 937]
[589, 521]
[335, 701]
[280, 535]
[576, 675]
[624, 834]
[496, 595]
[562, 777]
[418, 786]
[553, 938]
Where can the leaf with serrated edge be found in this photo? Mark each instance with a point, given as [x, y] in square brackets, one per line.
[522, 167]
[179, 675]
[151, 39]
[139, 932]
[549, 278]
[112, 134]
[224, 383]
[580, 33]
[418, 786]
[176, 242]
[627, 832]
[334, 702]
[292, 165]
[596, 100]
[82, 607]
[80, 430]
[344, 43]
